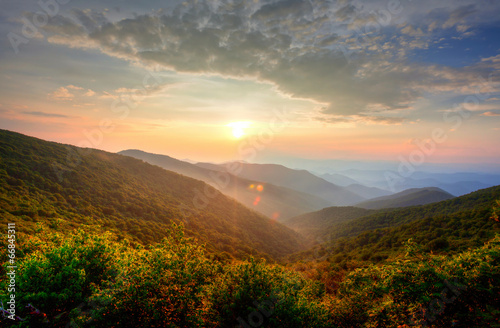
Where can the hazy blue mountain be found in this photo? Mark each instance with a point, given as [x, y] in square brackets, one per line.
[409, 197]
[455, 183]
[338, 179]
[368, 192]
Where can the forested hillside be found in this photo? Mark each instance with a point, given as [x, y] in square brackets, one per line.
[329, 224]
[446, 234]
[446, 227]
[66, 186]
[316, 225]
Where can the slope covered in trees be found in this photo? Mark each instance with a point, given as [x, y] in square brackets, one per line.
[447, 234]
[328, 227]
[314, 225]
[446, 227]
[66, 186]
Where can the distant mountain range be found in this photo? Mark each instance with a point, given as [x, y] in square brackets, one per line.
[338, 179]
[300, 180]
[409, 197]
[454, 183]
[274, 201]
[367, 192]
[286, 193]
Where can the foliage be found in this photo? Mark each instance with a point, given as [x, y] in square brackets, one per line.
[89, 280]
[158, 287]
[255, 293]
[424, 290]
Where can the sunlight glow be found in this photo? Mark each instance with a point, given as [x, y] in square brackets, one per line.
[239, 128]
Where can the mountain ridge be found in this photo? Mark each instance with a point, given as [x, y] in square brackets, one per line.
[276, 202]
[328, 227]
[301, 180]
[408, 197]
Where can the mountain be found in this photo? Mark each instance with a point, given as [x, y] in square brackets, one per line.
[326, 225]
[64, 187]
[452, 178]
[338, 179]
[367, 192]
[458, 188]
[447, 227]
[455, 183]
[410, 197]
[273, 201]
[300, 180]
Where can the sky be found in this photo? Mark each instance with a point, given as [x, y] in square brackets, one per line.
[257, 80]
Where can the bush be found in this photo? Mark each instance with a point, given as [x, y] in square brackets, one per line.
[424, 291]
[158, 287]
[257, 294]
[58, 276]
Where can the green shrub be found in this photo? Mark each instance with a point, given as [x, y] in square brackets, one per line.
[255, 294]
[424, 290]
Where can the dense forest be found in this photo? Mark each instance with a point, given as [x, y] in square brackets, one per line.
[105, 240]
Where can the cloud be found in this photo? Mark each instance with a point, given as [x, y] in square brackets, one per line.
[43, 114]
[74, 87]
[497, 113]
[458, 15]
[314, 50]
[90, 93]
[412, 31]
[61, 93]
[345, 13]
[492, 59]
[362, 119]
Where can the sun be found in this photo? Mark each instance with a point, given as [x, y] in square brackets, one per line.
[239, 128]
